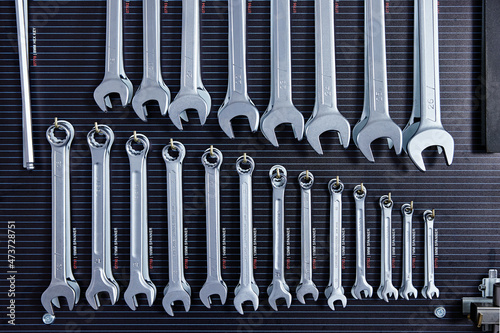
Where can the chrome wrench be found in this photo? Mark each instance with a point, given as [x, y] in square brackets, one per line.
[247, 289]
[140, 282]
[102, 276]
[407, 289]
[429, 290]
[214, 285]
[360, 284]
[306, 284]
[386, 288]
[278, 288]
[177, 288]
[334, 291]
[63, 283]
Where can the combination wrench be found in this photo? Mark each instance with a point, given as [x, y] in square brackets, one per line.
[281, 109]
[247, 289]
[306, 285]
[326, 116]
[63, 283]
[407, 289]
[334, 291]
[102, 277]
[278, 288]
[115, 80]
[237, 102]
[429, 290]
[177, 288]
[386, 288]
[23, 45]
[192, 94]
[214, 285]
[152, 87]
[360, 284]
[140, 282]
[375, 120]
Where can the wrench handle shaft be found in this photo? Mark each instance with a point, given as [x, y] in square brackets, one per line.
[246, 230]
[407, 246]
[429, 250]
[237, 48]
[175, 228]
[278, 232]
[190, 45]
[306, 234]
[386, 270]
[114, 38]
[152, 37]
[138, 213]
[360, 238]
[212, 194]
[336, 240]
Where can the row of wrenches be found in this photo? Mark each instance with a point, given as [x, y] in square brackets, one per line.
[63, 283]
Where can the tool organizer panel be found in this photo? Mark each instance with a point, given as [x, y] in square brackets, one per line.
[67, 43]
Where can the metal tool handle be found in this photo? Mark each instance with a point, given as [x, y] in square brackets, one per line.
[407, 242]
[278, 183]
[336, 235]
[152, 47]
[386, 204]
[306, 182]
[429, 247]
[360, 229]
[114, 38]
[190, 45]
[212, 200]
[237, 85]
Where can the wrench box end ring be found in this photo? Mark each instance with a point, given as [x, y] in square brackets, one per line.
[359, 193]
[240, 166]
[385, 202]
[179, 147]
[216, 157]
[335, 187]
[278, 181]
[103, 131]
[142, 139]
[306, 184]
[66, 127]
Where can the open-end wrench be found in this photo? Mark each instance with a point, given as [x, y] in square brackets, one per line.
[63, 283]
[375, 121]
[430, 130]
[281, 109]
[306, 285]
[192, 94]
[429, 290]
[334, 291]
[152, 87]
[115, 80]
[102, 275]
[360, 284]
[22, 41]
[140, 282]
[278, 288]
[177, 288]
[326, 116]
[214, 285]
[237, 102]
[407, 289]
[386, 288]
[247, 289]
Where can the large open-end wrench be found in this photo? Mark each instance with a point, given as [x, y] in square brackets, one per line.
[278, 288]
[306, 285]
[140, 282]
[63, 283]
[237, 102]
[429, 290]
[326, 116]
[177, 288]
[214, 285]
[247, 289]
[375, 122]
[334, 291]
[407, 289]
[360, 284]
[386, 288]
[192, 94]
[430, 130]
[115, 80]
[22, 42]
[152, 87]
[102, 275]
[281, 109]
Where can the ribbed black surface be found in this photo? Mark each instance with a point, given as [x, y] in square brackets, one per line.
[70, 38]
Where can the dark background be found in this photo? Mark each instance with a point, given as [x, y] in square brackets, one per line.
[69, 64]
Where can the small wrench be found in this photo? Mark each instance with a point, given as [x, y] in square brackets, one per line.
[214, 285]
[429, 290]
[247, 289]
[360, 285]
[152, 87]
[281, 109]
[192, 94]
[375, 120]
[237, 102]
[407, 287]
[63, 283]
[177, 288]
[115, 80]
[306, 284]
[326, 116]
[140, 282]
[102, 275]
[278, 288]
[386, 288]
[335, 292]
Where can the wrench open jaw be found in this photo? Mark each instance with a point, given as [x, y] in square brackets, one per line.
[246, 293]
[333, 295]
[322, 123]
[279, 290]
[232, 109]
[113, 85]
[174, 293]
[377, 130]
[198, 100]
[278, 114]
[55, 290]
[137, 286]
[306, 288]
[150, 91]
[213, 287]
[101, 284]
[425, 138]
